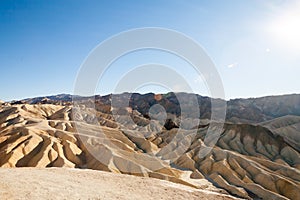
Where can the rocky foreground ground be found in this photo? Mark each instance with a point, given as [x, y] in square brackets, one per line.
[64, 183]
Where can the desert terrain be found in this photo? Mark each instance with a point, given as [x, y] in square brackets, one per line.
[66, 183]
[42, 141]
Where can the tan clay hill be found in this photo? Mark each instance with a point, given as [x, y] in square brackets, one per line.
[248, 161]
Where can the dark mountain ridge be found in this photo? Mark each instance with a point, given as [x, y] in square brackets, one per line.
[251, 110]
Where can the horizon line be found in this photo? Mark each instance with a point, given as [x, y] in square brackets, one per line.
[229, 99]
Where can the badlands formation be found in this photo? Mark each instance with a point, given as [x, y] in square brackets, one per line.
[257, 160]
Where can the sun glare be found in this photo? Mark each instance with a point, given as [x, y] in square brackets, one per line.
[285, 29]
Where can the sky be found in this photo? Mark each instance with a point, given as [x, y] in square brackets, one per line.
[255, 45]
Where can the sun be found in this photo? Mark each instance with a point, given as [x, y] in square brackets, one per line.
[285, 28]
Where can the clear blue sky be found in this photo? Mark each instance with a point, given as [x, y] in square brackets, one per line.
[254, 44]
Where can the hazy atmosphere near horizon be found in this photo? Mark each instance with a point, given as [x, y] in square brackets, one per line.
[255, 45]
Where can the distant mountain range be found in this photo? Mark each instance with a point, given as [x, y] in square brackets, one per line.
[251, 110]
